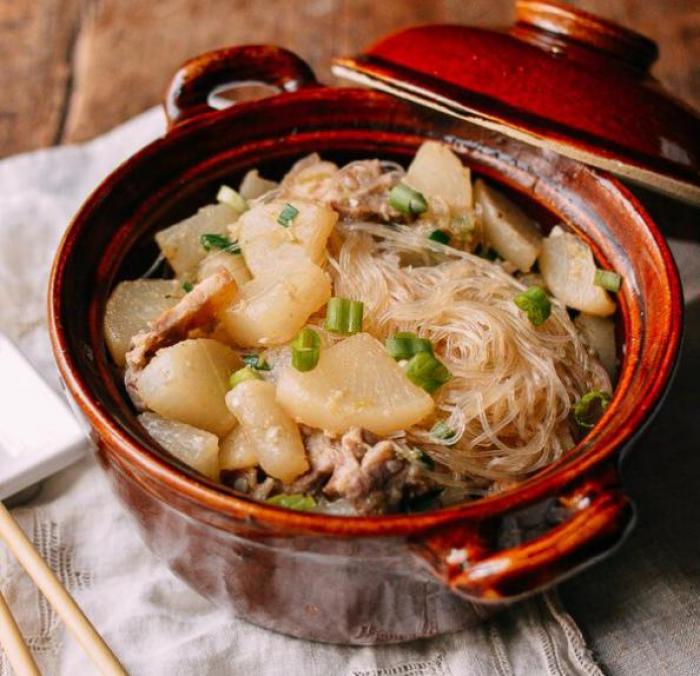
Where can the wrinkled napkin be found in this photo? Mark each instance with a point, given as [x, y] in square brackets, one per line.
[151, 619]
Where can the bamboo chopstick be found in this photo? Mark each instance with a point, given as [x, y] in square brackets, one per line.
[13, 644]
[56, 594]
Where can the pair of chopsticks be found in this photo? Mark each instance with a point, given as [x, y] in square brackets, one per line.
[11, 639]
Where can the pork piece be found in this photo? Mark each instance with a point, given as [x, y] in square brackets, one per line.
[360, 190]
[251, 481]
[373, 477]
[369, 475]
[322, 455]
[196, 310]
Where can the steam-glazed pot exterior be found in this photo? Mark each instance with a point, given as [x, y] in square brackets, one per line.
[369, 579]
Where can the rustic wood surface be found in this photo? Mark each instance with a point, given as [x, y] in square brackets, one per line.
[72, 69]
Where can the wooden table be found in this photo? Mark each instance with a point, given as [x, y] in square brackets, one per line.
[75, 68]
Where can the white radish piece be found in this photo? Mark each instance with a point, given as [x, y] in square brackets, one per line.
[568, 268]
[309, 179]
[132, 306]
[270, 310]
[188, 381]
[254, 185]
[599, 334]
[437, 172]
[181, 243]
[237, 450]
[197, 448]
[265, 241]
[215, 260]
[272, 432]
[355, 384]
[506, 228]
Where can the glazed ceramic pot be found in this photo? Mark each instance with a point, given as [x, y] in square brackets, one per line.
[361, 580]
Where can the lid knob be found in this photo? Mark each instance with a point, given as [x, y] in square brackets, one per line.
[557, 26]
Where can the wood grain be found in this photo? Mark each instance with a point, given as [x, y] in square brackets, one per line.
[75, 68]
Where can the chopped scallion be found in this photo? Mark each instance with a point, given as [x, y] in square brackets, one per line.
[298, 501]
[306, 349]
[425, 371]
[344, 315]
[240, 376]
[535, 303]
[227, 195]
[443, 432]
[608, 279]
[255, 361]
[407, 200]
[404, 344]
[287, 215]
[439, 236]
[211, 241]
[590, 407]
[187, 286]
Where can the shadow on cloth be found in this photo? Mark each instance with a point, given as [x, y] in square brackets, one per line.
[641, 608]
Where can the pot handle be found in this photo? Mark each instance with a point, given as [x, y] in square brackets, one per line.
[189, 90]
[597, 517]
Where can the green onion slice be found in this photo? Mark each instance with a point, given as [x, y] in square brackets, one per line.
[228, 195]
[404, 344]
[443, 432]
[255, 361]
[407, 200]
[187, 286]
[590, 407]
[211, 241]
[306, 349]
[298, 501]
[240, 376]
[608, 279]
[535, 303]
[344, 315]
[439, 236]
[287, 215]
[425, 371]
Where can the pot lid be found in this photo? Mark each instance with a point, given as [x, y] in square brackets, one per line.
[559, 78]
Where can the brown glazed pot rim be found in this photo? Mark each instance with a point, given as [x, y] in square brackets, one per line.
[549, 481]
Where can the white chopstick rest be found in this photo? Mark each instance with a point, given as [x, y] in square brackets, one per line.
[56, 594]
[38, 434]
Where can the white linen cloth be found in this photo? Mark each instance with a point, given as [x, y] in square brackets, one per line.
[152, 620]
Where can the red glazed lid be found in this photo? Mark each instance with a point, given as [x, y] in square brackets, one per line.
[559, 78]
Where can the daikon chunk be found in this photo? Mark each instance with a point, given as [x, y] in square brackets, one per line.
[181, 243]
[437, 172]
[599, 334]
[271, 431]
[271, 309]
[568, 269]
[235, 264]
[506, 228]
[265, 241]
[355, 384]
[237, 450]
[197, 448]
[132, 306]
[188, 381]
